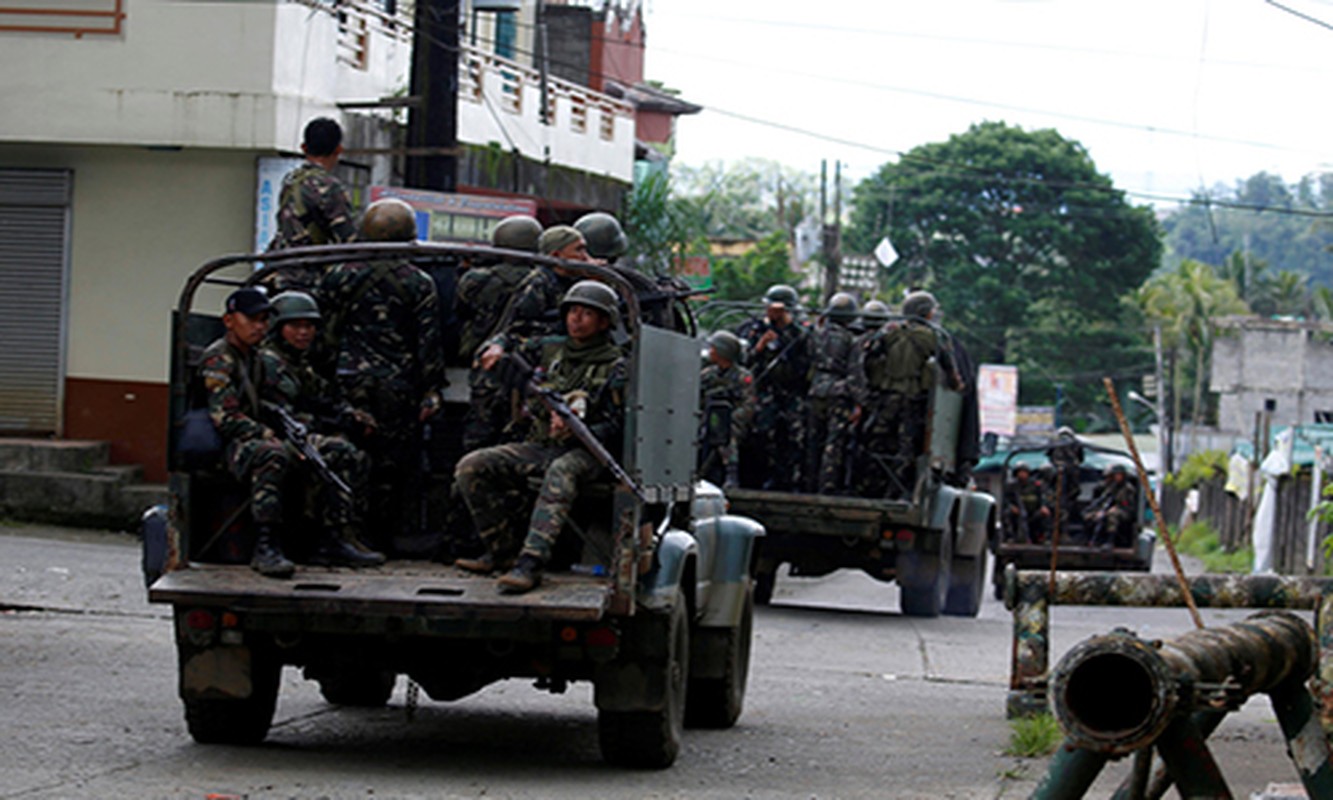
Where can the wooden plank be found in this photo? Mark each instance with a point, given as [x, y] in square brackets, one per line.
[417, 589]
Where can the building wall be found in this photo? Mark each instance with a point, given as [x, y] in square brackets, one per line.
[1290, 363]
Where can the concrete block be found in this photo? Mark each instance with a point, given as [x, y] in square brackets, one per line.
[53, 455]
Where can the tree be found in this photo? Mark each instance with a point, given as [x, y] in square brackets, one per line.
[1019, 237]
[748, 199]
[660, 226]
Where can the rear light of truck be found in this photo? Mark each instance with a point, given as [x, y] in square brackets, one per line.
[905, 535]
[230, 620]
[601, 637]
[200, 620]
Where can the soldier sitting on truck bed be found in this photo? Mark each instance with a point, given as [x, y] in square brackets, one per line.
[590, 372]
[484, 292]
[534, 310]
[1027, 518]
[1110, 515]
[291, 384]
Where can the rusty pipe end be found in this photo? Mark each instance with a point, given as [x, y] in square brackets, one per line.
[1113, 693]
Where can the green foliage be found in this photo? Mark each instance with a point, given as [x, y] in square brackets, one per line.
[750, 275]
[1198, 539]
[660, 227]
[1215, 235]
[748, 199]
[1199, 468]
[1028, 248]
[1033, 737]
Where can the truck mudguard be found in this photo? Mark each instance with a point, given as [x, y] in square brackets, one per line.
[658, 587]
[731, 570]
[975, 517]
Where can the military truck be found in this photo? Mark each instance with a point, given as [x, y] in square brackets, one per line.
[932, 540]
[1016, 541]
[659, 622]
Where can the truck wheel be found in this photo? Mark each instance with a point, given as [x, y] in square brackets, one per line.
[358, 688]
[236, 720]
[967, 582]
[765, 580]
[924, 579]
[717, 702]
[651, 739]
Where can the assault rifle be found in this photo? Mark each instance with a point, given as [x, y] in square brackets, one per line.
[556, 404]
[296, 434]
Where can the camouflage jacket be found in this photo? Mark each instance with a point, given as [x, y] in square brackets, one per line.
[833, 347]
[734, 386]
[782, 368]
[313, 208]
[592, 375]
[292, 383]
[484, 293]
[385, 319]
[535, 310]
[900, 359]
[232, 379]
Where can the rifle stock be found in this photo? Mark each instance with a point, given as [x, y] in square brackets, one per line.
[296, 434]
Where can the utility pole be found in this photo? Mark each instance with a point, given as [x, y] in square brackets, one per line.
[832, 232]
[432, 123]
[1163, 421]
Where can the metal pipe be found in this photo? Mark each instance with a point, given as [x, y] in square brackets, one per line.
[1117, 693]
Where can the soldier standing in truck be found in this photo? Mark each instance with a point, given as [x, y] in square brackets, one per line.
[313, 205]
[726, 392]
[832, 402]
[780, 353]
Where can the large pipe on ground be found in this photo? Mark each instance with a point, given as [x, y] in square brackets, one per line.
[1116, 693]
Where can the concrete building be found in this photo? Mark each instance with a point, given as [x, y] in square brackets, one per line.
[1287, 362]
[143, 137]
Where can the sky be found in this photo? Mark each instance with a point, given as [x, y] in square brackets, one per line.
[1166, 96]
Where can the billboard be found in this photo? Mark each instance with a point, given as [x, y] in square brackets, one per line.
[997, 396]
[445, 217]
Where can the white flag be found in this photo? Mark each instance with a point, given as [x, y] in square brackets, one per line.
[885, 253]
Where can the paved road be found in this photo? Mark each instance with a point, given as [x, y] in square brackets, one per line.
[847, 699]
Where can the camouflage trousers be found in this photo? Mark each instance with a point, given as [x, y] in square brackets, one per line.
[267, 463]
[394, 452]
[494, 483]
[778, 431]
[893, 434]
[835, 432]
[488, 411]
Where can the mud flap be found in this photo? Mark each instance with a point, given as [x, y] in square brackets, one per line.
[217, 672]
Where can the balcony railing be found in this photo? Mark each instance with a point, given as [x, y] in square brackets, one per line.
[76, 17]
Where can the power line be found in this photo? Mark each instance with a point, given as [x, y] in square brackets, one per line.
[1300, 14]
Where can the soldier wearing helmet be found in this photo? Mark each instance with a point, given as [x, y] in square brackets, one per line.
[313, 205]
[780, 356]
[385, 321]
[483, 294]
[874, 314]
[833, 407]
[291, 383]
[726, 395]
[606, 239]
[1110, 516]
[589, 370]
[1027, 517]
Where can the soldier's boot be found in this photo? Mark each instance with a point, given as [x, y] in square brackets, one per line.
[483, 564]
[268, 559]
[524, 577]
[341, 549]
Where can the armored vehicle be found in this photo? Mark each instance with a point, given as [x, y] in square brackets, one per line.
[659, 625]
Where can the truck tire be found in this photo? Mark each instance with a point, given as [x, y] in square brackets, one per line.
[923, 579]
[765, 581]
[651, 739]
[717, 702]
[967, 583]
[236, 720]
[358, 688]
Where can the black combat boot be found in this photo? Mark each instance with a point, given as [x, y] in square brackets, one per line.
[524, 577]
[341, 549]
[268, 558]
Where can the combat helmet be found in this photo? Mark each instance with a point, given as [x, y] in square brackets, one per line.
[919, 304]
[841, 307]
[389, 220]
[784, 294]
[291, 305]
[727, 345]
[593, 294]
[605, 238]
[519, 232]
[875, 313]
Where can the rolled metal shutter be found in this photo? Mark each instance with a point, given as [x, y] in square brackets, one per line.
[34, 236]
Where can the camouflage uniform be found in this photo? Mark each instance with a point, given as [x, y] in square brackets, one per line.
[899, 370]
[832, 403]
[253, 453]
[291, 383]
[1027, 518]
[1111, 513]
[494, 481]
[782, 383]
[484, 294]
[1063, 487]
[535, 310]
[384, 316]
[727, 399]
[313, 208]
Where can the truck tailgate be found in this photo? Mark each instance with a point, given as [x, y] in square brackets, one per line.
[399, 588]
[783, 512]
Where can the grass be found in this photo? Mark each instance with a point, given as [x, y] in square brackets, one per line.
[1033, 737]
[1200, 540]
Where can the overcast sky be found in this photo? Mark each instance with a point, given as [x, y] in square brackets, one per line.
[1166, 95]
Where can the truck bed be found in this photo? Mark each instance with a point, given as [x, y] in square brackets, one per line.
[826, 515]
[1072, 557]
[396, 589]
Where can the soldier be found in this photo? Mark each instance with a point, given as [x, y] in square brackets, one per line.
[832, 408]
[484, 292]
[1110, 515]
[900, 362]
[534, 311]
[1027, 518]
[1063, 488]
[606, 239]
[291, 383]
[313, 206]
[590, 371]
[389, 362]
[781, 357]
[726, 392]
